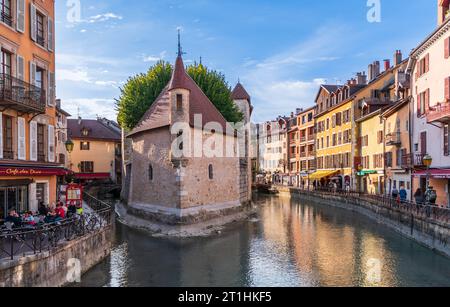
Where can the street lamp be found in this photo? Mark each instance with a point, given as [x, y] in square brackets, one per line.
[69, 146]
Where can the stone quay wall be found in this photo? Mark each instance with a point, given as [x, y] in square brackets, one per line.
[432, 231]
[60, 266]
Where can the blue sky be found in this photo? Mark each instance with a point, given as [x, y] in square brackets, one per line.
[280, 50]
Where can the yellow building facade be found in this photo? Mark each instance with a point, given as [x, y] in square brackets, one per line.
[334, 135]
[97, 149]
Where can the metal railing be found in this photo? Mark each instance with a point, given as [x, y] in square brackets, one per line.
[420, 210]
[32, 241]
[17, 93]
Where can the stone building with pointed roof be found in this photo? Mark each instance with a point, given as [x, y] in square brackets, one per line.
[163, 187]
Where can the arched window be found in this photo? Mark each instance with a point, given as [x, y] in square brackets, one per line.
[211, 172]
[150, 172]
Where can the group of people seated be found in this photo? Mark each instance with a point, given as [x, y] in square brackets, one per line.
[45, 215]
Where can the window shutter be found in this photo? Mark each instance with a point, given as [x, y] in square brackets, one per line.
[51, 89]
[51, 143]
[423, 143]
[33, 141]
[20, 62]
[1, 135]
[427, 100]
[21, 147]
[447, 89]
[419, 111]
[33, 26]
[447, 48]
[446, 153]
[32, 73]
[20, 25]
[427, 63]
[51, 36]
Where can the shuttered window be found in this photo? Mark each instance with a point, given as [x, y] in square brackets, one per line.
[51, 143]
[21, 147]
[41, 143]
[20, 25]
[5, 12]
[5, 58]
[20, 70]
[447, 89]
[447, 48]
[33, 141]
[446, 149]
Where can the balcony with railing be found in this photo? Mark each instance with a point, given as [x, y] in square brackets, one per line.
[394, 139]
[412, 160]
[439, 113]
[21, 96]
[311, 137]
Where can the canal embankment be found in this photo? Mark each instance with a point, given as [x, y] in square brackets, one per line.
[58, 254]
[428, 226]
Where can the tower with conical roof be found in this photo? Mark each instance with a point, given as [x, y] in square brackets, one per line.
[242, 100]
[180, 190]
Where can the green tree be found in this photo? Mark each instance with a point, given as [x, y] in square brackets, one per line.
[215, 87]
[141, 91]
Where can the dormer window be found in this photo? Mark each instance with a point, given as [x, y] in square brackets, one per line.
[85, 132]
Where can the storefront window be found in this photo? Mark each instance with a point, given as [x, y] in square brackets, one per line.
[13, 198]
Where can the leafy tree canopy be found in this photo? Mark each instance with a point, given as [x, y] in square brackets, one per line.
[140, 91]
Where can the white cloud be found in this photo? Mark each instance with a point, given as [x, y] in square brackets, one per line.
[91, 107]
[154, 58]
[82, 75]
[104, 17]
[278, 84]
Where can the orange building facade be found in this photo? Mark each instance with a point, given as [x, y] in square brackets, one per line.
[28, 168]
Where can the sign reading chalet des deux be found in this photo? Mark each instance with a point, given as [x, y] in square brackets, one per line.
[21, 171]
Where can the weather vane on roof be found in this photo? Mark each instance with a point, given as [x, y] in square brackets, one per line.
[180, 50]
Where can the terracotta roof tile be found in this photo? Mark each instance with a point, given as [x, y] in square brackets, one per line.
[97, 130]
[239, 93]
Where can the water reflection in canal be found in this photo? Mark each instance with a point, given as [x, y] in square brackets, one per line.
[291, 243]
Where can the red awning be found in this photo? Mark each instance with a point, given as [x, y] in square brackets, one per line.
[12, 171]
[434, 173]
[91, 176]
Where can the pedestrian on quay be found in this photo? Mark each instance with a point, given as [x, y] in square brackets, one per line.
[403, 194]
[418, 196]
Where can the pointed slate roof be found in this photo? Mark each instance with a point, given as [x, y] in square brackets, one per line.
[158, 115]
[239, 93]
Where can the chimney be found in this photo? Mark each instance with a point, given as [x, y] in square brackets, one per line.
[370, 71]
[398, 58]
[361, 78]
[292, 114]
[387, 64]
[442, 11]
[376, 69]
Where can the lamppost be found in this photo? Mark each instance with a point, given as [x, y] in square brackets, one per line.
[427, 161]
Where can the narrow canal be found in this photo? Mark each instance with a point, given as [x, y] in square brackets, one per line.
[290, 243]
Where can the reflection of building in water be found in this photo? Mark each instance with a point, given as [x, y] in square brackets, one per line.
[194, 263]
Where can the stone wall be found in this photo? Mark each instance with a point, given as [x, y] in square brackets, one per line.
[50, 269]
[432, 234]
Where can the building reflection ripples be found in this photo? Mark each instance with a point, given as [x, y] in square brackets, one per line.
[289, 244]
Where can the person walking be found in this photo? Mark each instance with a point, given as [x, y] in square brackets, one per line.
[418, 196]
[403, 194]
